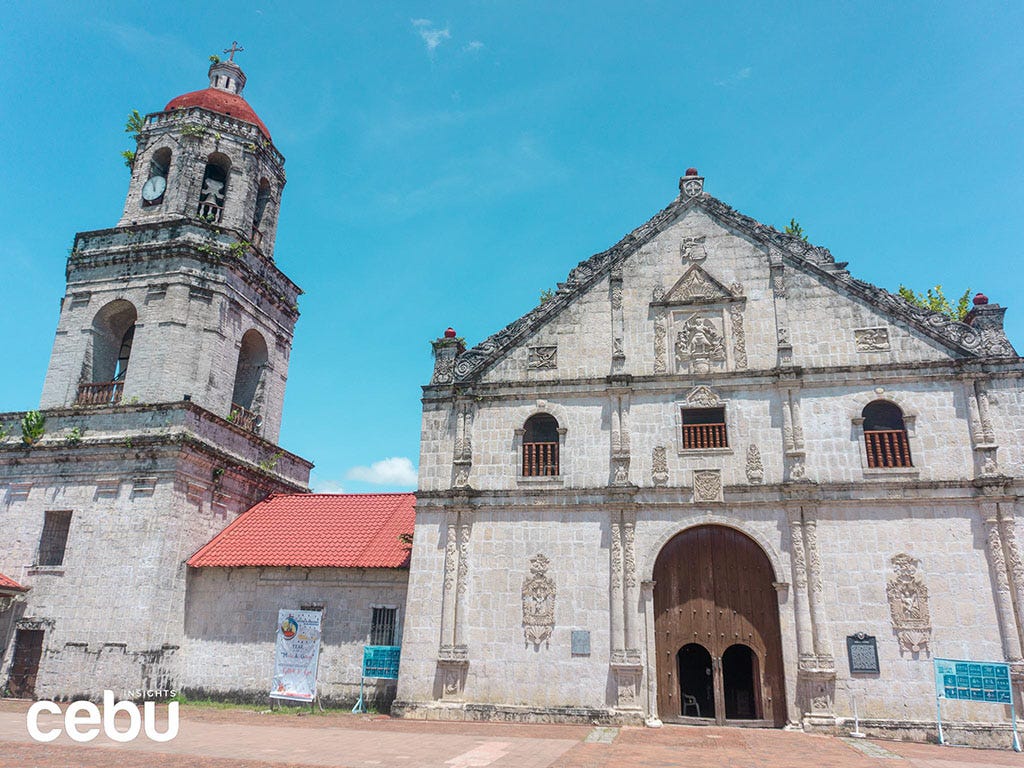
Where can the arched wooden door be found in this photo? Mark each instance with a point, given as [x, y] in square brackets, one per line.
[713, 588]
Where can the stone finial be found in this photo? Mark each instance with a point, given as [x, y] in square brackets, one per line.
[692, 184]
[980, 299]
[446, 349]
[987, 320]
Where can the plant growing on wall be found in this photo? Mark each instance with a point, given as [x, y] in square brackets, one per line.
[935, 300]
[133, 125]
[33, 427]
[794, 229]
[75, 436]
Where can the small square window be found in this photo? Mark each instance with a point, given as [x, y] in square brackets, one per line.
[704, 428]
[54, 540]
[382, 626]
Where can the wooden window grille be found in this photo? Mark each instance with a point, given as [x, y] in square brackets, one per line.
[540, 446]
[704, 428]
[54, 540]
[382, 625]
[885, 436]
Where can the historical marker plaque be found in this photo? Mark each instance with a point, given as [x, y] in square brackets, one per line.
[862, 653]
[581, 642]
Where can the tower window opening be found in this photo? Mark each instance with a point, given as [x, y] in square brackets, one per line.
[262, 198]
[252, 363]
[214, 190]
[156, 185]
[113, 335]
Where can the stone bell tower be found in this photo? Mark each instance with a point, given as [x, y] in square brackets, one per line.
[161, 407]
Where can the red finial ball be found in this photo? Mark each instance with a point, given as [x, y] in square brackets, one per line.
[450, 333]
[980, 299]
[692, 172]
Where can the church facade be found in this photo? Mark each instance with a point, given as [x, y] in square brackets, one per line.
[716, 478]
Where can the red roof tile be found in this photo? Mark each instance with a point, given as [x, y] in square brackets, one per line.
[8, 584]
[316, 530]
[220, 101]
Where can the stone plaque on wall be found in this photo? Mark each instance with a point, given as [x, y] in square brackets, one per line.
[581, 642]
[862, 653]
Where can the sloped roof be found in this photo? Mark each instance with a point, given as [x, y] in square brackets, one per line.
[10, 585]
[316, 530]
[959, 337]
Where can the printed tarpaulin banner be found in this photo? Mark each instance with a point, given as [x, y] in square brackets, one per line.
[295, 655]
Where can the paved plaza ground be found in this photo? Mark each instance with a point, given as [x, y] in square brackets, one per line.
[245, 738]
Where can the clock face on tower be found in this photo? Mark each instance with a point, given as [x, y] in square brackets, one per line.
[153, 189]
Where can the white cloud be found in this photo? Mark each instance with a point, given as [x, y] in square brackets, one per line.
[474, 45]
[323, 485]
[736, 77]
[432, 36]
[396, 470]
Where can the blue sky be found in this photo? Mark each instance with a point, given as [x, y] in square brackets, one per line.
[448, 161]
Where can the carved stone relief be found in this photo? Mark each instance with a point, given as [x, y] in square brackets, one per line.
[739, 339]
[871, 339]
[707, 485]
[660, 352]
[693, 248]
[542, 358]
[464, 533]
[538, 602]
[703, 397]
[627, 686]
[621, 471]
[908, 604]
[699, 346]
[659, 466]
[755, 467]
[696, 285]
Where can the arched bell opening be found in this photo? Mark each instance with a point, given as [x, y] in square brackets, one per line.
[252, 363]
[716, 609]
[113, 334]
[214, 190]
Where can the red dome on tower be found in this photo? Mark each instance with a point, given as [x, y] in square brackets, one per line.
[223, 96]
[220, 101]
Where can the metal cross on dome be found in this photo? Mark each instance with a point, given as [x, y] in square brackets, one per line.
[235, 48]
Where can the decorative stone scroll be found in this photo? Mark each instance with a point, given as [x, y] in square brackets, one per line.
[707, 485]
[871, 339]
[659, 466]
[908, 604]
[660, 352]
[542, 358]
[538, 602]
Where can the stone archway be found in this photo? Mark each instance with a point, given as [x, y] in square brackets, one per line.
[713, 588]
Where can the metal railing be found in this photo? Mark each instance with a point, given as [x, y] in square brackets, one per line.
[100, 393]
[540, 459]
[887, 448]
[704, 436]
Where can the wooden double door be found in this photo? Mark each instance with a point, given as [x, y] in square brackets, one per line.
[719, 648]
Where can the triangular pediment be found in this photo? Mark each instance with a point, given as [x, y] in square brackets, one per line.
[697, 286]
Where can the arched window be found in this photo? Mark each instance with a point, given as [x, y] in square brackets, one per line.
[252, 361]
[885, 436]
[262, 198]
[156, 184]
[113, 331]
[215, 187]
[540, 446]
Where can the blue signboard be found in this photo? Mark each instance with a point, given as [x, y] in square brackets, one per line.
[381, 661]
[984, 681]
[987, 681]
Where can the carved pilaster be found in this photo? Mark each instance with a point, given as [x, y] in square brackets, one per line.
[618, 329]
[660, 342]
[739, 339]
[632, 591]
[819, 619]
[462, 459]
[451, 569]
[1015, 564]
[463, 579]
[1000, 576]
[618, 637]
[801, 604]
[778, 281]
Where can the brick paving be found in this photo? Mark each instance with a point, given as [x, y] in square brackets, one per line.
[244, 738]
